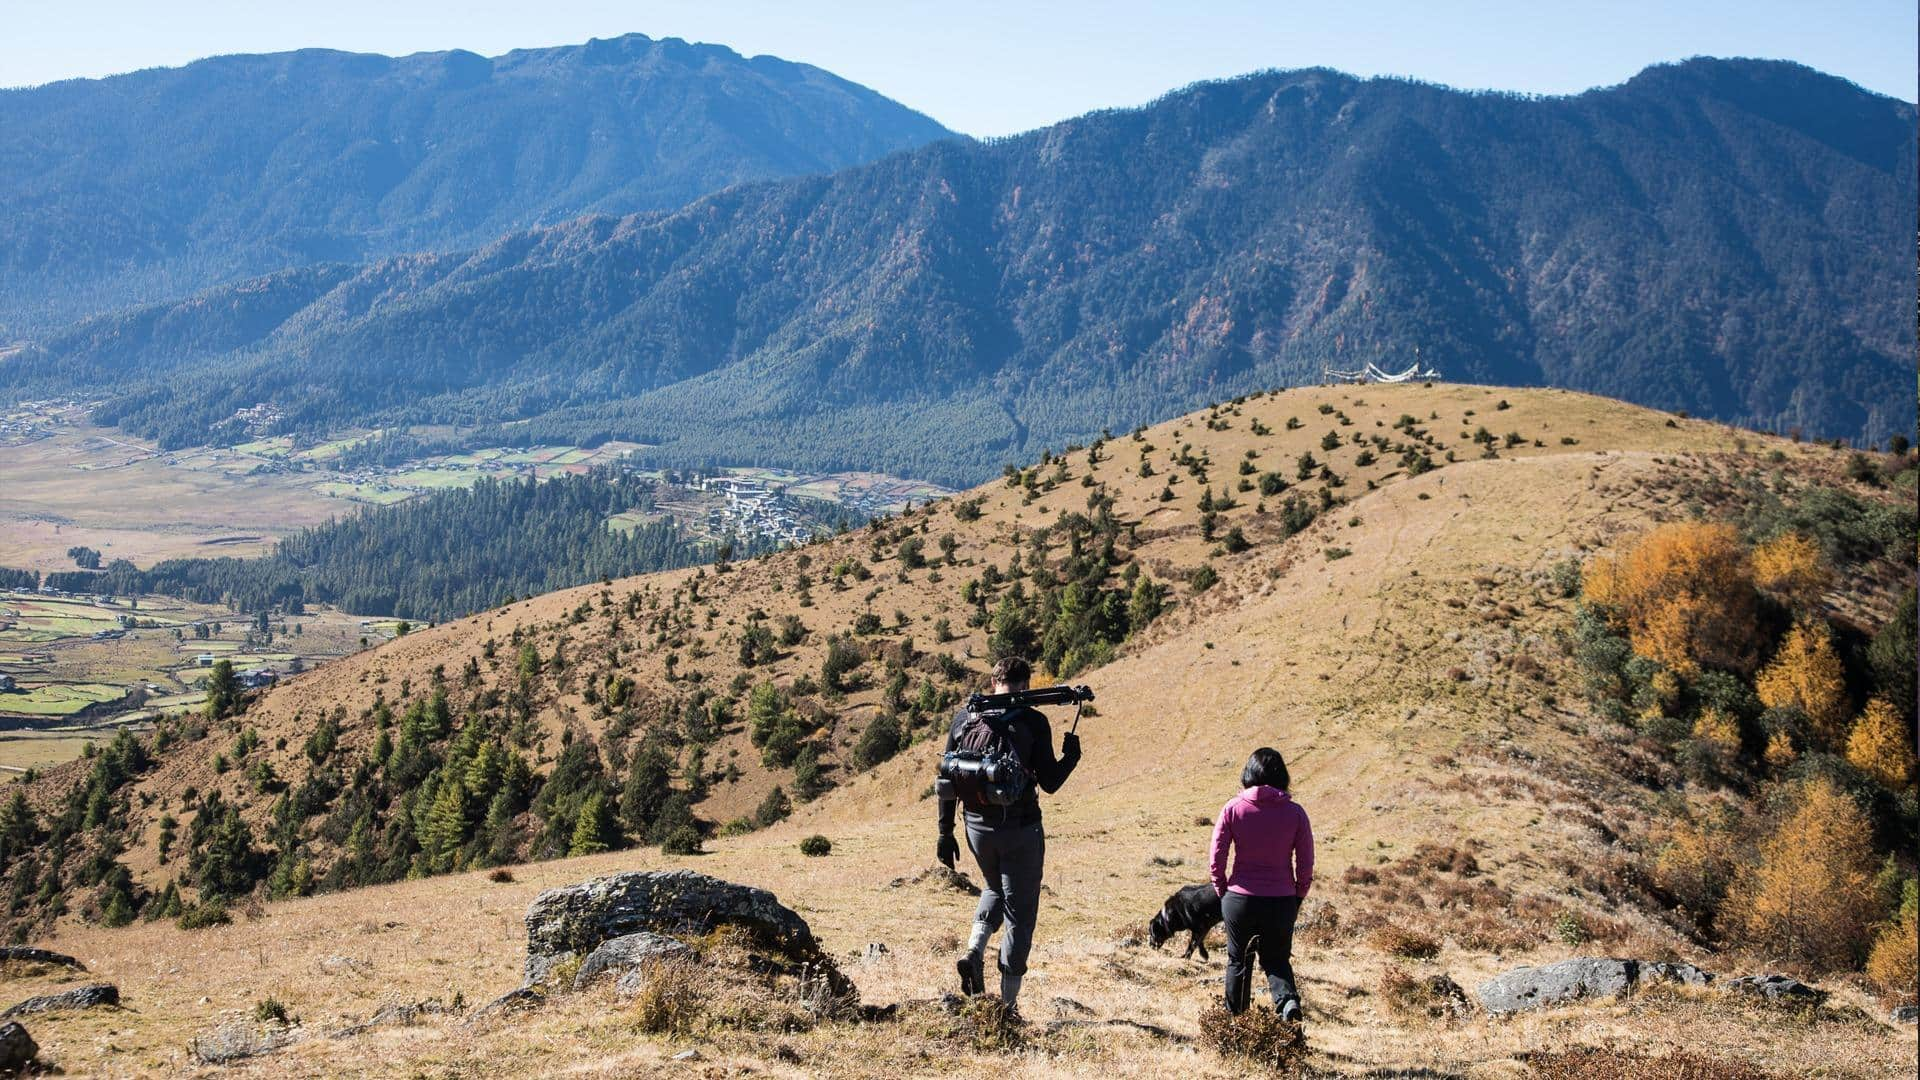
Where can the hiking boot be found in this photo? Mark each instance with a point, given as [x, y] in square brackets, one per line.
[1290, 1010]
[973, 978]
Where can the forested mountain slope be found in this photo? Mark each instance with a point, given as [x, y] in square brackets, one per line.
[1728, 237]
[162, 182]
[1407, 589]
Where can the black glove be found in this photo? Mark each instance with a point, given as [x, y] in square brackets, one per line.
[1070, 746]
[948, 850]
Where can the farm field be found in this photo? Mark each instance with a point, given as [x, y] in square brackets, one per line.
[71, 483]
[83, 666]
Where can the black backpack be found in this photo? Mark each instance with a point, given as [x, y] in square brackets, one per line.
[983, 769]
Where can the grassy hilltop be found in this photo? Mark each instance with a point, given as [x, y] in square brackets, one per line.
[1397, 614]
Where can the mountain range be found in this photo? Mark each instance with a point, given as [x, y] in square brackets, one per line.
[159, 183]
[1725, 237]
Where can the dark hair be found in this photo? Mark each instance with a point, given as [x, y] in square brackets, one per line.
[1267, 767]
[1013, 671]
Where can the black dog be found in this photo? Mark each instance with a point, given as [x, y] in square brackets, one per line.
[1195, 908]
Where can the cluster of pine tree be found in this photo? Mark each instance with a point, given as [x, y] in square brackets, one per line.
[434, 558]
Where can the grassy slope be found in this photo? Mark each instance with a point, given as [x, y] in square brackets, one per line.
[1403, 715]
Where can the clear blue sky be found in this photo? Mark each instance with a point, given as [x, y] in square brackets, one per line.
[991, 67]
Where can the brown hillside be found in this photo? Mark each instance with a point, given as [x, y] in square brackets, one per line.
[1416, 683]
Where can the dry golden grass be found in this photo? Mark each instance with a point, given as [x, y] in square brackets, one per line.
[1346, 665]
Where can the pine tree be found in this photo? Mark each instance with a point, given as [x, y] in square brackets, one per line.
[1881, 745]
[446, 827]
[1895, 960]
[1792, 567]
[1807, 675]
[1809, 897]
[18, 829]
[591, 828]
[649, 783]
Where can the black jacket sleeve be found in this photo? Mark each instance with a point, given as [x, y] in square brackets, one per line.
[947, 806]
[1048, 771]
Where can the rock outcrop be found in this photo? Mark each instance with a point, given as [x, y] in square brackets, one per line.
[17, 1048]
[626, 953]
[1777, 989]
[1579, 979]
[574, 922]
[80, 997]
[28, 954]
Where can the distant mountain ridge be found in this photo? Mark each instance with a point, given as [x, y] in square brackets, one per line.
[1730, 237]
[162, 182]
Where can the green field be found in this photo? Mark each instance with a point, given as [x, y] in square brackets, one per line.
[60, 699]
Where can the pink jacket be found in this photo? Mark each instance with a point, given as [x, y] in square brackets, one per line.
[1273, 845]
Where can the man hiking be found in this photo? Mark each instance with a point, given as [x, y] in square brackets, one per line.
[1003, 822]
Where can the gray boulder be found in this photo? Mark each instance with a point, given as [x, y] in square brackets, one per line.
[627, 952]
[28, 954]
[575, 920]
[1557, 984]
[80, 997]
[1904, 1014]
[17, 1048]
[1684, 974]
[1776, 989]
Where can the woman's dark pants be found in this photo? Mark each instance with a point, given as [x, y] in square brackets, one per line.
[1262, 924]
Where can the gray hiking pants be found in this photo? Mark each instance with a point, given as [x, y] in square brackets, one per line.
[1011, 859]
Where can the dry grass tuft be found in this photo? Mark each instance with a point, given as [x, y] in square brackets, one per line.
[1590, 1063]
[1404, 943]
[1434, 996]
[672, 998]
[984, 1023]
[1258, 1036]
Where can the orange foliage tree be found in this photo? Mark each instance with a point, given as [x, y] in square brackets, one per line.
[1792, 567]
[1685, 595]
[1895, 961]
[1809, 898]
[1881, 746]
[1806, 674]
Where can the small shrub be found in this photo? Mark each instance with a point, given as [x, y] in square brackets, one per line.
[1435, 996]
[1404, 943]
[684, 840]
[671, 1000]
[205, 914]
[1334, 553]
[1360, 875]
[500, 876]
[1258, 1036]
[1569, 930]
[270, 1010]
[816, 846]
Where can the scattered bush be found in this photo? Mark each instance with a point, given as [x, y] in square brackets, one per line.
[816, 846]
[500, 876]
[270, 1010]
[1257, 1036]
[205, 914]
[1434, 996]
[1406, 944]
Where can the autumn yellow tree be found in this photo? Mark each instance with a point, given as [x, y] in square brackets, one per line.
[1809, 898]
[1792, 567]
[1685, 595]
[1718, 727]
[1806, 674]
[1894, 963]
[1881, 746]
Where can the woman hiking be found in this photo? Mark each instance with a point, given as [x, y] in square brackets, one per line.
[1272, 846]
